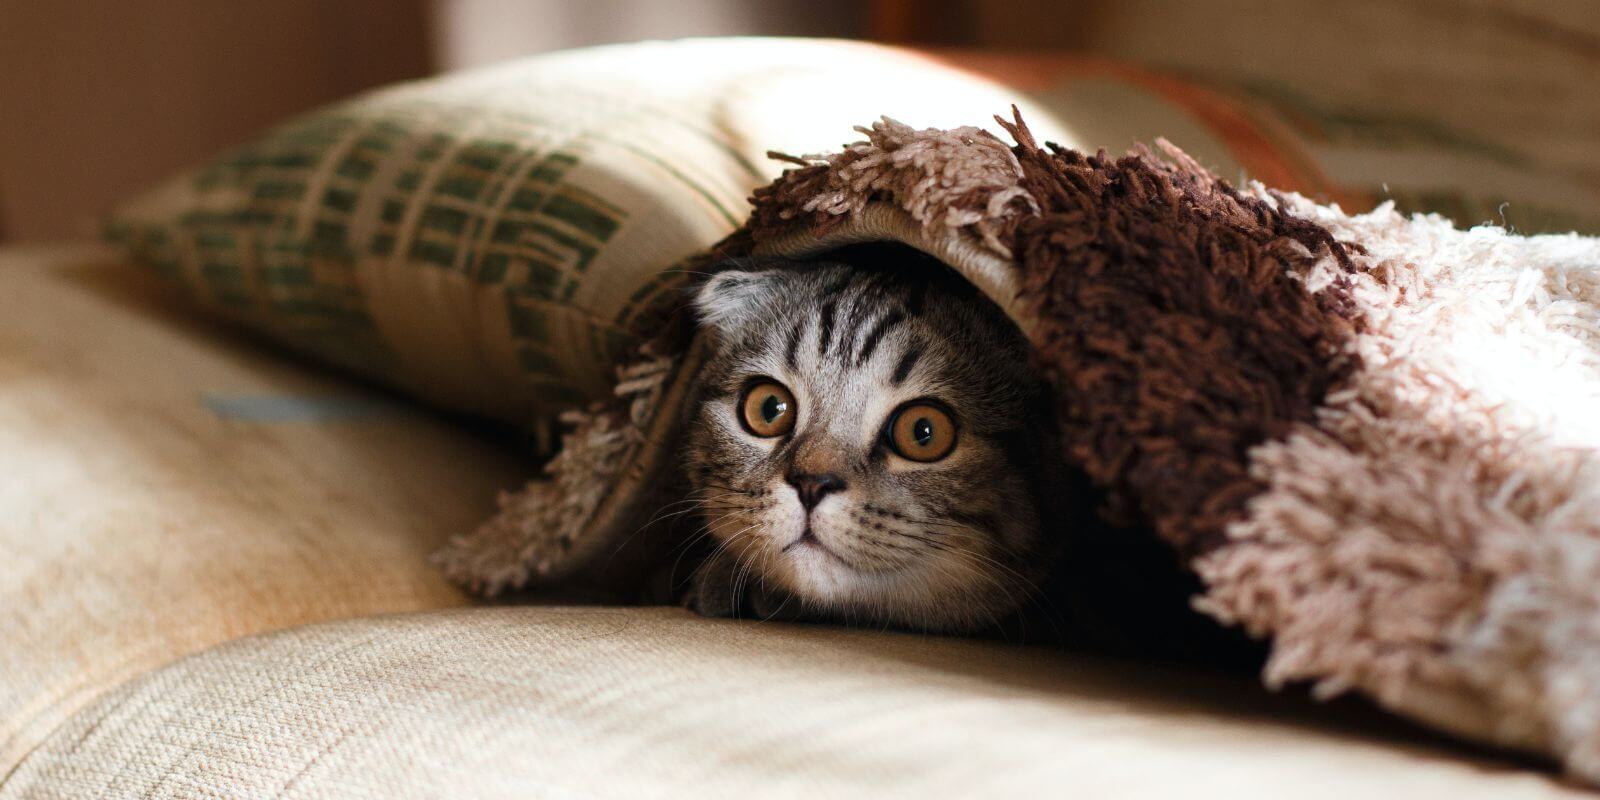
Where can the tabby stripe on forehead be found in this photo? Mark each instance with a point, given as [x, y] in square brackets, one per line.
[791, 349]
[829, 295]
[839, 284]
[908, 360]
[875, 336]
[861, 311]
[823, 338]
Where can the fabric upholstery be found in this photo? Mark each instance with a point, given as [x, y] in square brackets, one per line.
[630, 703]
[169, 486]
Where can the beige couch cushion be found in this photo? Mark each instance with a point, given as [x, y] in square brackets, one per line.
[169, 486]
[576, 702]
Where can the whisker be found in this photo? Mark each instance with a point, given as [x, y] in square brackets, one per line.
[662, 515]
[705, 531]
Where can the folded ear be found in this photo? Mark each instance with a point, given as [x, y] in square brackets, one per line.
[733, 299]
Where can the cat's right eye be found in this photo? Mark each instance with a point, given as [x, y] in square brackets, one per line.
[767, 408]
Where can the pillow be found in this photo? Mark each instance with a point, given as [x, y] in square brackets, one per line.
[493, 241]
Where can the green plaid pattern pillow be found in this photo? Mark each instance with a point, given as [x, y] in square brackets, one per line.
[495, 240]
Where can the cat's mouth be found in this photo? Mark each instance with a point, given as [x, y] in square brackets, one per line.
[808, 539]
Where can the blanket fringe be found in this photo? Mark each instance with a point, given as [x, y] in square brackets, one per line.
[531, 538]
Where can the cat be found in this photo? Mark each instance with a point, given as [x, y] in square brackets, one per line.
[869, 446]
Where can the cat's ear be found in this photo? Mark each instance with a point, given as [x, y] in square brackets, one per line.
[732, 299]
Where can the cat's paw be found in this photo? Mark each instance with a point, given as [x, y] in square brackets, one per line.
[773, 606]
[716, 591]
[711, 591]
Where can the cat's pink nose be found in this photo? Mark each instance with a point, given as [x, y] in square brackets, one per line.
[812, 488]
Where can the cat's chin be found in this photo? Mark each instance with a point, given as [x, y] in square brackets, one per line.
[931, 593]
[909, 596]
[815, 572]
[824, 580]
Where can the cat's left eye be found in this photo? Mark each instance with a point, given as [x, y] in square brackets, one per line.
[922, 432]
[767, 409]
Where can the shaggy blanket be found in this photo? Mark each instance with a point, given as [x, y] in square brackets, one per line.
[1375, 439]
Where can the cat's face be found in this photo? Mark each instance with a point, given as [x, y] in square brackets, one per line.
[872, 444]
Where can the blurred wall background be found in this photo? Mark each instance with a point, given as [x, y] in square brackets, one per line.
[469, 33]
[100, 97]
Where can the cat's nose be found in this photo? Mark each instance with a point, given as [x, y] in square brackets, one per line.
[812, 488]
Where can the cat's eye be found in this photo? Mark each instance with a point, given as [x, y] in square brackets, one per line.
[922, 432]
[767, 409]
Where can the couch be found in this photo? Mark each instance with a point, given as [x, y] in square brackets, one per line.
[215, 585]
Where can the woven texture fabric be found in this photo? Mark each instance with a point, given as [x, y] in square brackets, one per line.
[573, 702]
[169, 487]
